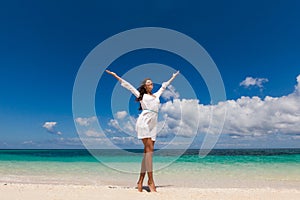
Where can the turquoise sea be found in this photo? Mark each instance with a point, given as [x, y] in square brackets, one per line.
[220, 168]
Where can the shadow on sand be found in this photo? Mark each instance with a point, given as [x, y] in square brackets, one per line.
[144, 187]
[159, 186]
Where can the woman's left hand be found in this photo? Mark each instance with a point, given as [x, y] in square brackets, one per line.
[175, 74]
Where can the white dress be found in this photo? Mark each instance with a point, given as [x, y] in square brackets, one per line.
[146, 125]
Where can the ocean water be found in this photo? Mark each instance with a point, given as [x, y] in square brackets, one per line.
[220, 168]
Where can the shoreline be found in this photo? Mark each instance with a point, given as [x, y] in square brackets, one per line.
[46, 191]
[49, 175]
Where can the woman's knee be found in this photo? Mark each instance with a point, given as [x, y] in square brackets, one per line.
[148, 149]
[148, 145]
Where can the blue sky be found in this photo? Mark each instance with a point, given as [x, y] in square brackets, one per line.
[43, 44]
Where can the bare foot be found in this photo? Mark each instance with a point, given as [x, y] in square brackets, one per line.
[151, 186]
[140, 187]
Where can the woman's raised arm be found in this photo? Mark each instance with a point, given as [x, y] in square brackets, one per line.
[165, 84]
[173, 77]
[114, 74]
[125, 84]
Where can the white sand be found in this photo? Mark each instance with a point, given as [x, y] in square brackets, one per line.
[15, 191]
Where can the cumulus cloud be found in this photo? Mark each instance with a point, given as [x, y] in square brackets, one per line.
[50, 127]
[103, 143]
[85, 121]
[297, 87]
[91, 136]
[123, 123]
[124, 140]
[181, 117]
[93, 133]
[245, 116]
[88, 128]
[250, 81]
[170, 93]
[114, 123]
[121, 114]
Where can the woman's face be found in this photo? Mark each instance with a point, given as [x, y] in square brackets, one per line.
[149, 85]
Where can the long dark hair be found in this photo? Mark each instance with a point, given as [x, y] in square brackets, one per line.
[142, 91]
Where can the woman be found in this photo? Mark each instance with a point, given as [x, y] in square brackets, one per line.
[146, 122]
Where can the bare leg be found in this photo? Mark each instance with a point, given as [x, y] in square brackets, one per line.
[142, 175]
[146, 166]
[149, 147]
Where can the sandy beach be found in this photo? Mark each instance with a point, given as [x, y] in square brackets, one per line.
[55, 175]
[14, 191]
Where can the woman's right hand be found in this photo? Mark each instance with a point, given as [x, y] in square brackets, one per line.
[175, 74]
[114, 74]
[110, 72]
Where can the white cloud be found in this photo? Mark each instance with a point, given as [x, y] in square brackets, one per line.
[50, 127]
[246, 116]
[121, 114]
[85, 121]
[124, 140]
[297, 87]
[125, 124]
[114, 124]
[108, 130]
[29, 142]
[106, 142]
[249, 81]
[93, 133]
[181, 117]
[170, 93]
